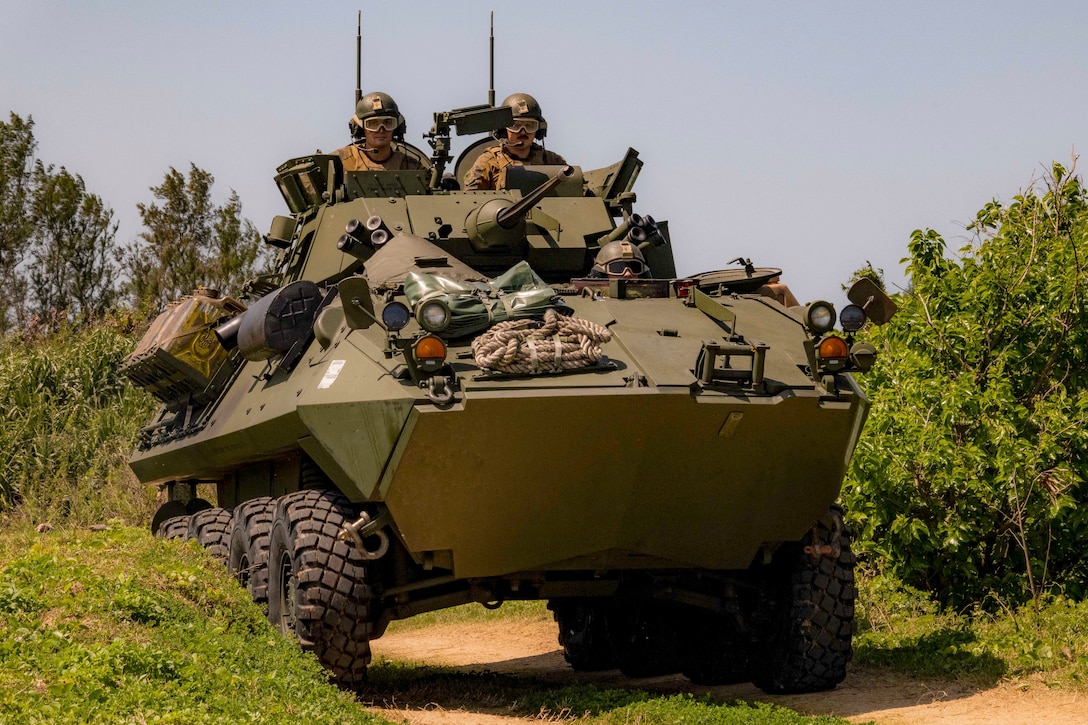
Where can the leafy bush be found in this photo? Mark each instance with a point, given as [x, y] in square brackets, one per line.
[68, 421]
[903, 629]
[970, 478]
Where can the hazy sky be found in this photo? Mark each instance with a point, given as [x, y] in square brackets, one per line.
[810, 136]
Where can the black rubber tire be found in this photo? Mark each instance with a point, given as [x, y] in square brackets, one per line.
[809, 645]
[175, 527]
[645, 638]
[317, 590]
[211, 529]
[248, 559]
[583, 634]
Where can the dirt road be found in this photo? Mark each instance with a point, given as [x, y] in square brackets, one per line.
[529, 648]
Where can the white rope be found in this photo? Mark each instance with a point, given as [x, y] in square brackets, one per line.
[531, 347]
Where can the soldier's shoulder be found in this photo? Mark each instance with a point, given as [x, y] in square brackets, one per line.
[550, 157]
[489, 154]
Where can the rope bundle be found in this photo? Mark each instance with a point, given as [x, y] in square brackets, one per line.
[529, 347]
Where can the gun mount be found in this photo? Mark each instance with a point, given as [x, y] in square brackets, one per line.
[499, 225]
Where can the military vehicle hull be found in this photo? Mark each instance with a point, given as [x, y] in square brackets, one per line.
[579, 471]
[662, 470]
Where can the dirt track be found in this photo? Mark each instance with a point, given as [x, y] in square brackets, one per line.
[529, 648]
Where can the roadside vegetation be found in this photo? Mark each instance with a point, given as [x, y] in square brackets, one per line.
[967, 492]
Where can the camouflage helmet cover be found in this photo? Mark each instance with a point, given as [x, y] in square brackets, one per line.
[525, 106]
[376, 103]
[620, 250]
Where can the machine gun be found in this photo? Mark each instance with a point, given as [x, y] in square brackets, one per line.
[468, 120]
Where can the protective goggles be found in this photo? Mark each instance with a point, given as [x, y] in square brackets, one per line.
[619, 266]
[524, 125]
[379, 123]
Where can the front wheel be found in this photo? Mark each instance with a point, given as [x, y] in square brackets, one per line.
[808, 644]
[317, 590]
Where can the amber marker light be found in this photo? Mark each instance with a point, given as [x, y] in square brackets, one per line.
[833, 348]
[430, 353]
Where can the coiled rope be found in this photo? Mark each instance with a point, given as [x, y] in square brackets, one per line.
[529, 347]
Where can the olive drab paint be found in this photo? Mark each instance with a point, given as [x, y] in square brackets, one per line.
[682, 473]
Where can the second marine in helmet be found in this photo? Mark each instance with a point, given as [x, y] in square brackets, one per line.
[517, 146]
[620, 258]
[377, 132]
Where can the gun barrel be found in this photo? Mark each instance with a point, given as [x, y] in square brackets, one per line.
[508, 217]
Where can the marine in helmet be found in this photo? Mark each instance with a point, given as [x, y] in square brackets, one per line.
[621, 258]
[517, 146]
[377, 132]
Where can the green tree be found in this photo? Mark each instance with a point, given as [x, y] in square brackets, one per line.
[17, 147]
[72, 269]
[189, 241]
[970, 479]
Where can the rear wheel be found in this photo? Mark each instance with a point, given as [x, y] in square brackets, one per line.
[583, 634]
[174, 527]
[317, 588]
[248, 559]
[645, 638]
[808, 644]
[211, 528]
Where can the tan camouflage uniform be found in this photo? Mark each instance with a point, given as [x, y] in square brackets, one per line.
[356, 160]
[489, 171]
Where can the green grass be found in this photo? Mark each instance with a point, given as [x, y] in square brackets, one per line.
[526, 611]
[411, 685]
[115, 626]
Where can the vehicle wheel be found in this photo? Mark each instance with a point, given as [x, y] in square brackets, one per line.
[169, 510]
[809, 643]
[645, 639]
[583, 634]
[714, 653]
[317, 588]
[174, 527]
[211, 528]
[195, 505]
[248, 559]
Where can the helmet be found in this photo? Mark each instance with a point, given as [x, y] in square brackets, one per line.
[618, 256]
[376, 103]
[525, 106]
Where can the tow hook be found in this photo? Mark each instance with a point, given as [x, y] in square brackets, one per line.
[357, 531]
[439, 390]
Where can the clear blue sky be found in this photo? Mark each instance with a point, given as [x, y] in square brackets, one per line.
[810, 136]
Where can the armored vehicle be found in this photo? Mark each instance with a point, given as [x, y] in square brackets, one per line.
[443, 397]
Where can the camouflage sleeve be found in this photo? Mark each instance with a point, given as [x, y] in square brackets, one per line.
[481, 176]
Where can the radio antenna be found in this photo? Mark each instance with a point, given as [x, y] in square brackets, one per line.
[491, 89]
[359, 59]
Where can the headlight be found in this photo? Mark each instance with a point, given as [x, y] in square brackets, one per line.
[852, 318]
[429, 353]
[433, 316]
[820, 317]
[396, 315]
[863, 355]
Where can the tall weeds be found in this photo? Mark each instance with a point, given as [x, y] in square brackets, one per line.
[68, 420]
